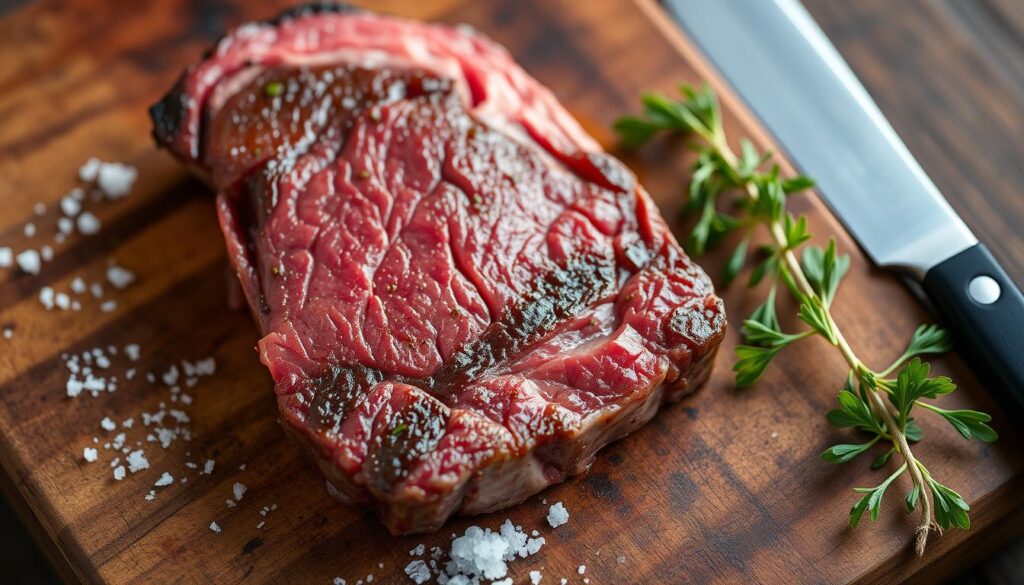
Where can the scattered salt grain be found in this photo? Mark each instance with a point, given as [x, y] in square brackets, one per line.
[119, 278]
[116, 179]
[96, 289]
[418, 571]
[132, 351]
[39, 209]
[107, 424]
[108, 306]
[29, 261]
[229, 503]
[8, 333]
[6, 257]
[557, 515]
[137, 461]
[170, 377]
[119, 472]
[78, 285]
[338, 581]
[151, 496]
[165, 480]
[90, 454]
[582, 569]
[46, 295]
[215, 527]
[65, 226]
[89, 171]
[208, 466]
[535, 577]
[70, 206]
[63, 301]
[418, 551]
[46, 253]
[30, 230]
[88, 224]
[238, 490]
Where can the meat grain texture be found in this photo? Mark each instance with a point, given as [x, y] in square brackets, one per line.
[461, 297]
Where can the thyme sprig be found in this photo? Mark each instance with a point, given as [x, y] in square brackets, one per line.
[875, 403]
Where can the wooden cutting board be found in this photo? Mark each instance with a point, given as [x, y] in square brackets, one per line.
[725, 487]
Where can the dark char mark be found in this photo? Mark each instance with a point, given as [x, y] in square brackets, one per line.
[561, 294]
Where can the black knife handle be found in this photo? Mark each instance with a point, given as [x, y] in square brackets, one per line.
[985, 310]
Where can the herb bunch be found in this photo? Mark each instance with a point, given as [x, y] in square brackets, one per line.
[879, 404]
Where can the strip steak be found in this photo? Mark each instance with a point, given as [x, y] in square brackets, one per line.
[461, 297]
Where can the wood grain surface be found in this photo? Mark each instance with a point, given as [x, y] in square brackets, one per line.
[724, 487]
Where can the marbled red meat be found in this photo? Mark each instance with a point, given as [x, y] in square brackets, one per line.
[461, 297]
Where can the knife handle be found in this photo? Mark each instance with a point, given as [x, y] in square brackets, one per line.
[985, 310]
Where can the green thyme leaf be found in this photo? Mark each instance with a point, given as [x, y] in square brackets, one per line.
[751, 362]
[844, 453]
[735, 263]
[872, 500]
[797, 183]
[912, 497]
[950, 508]
[765, 312]
[767, 268]
[399, 429]
[824, 270]
[815, 315]
[853, 411]
[796, 231]
[969, 423]
[882, 459]
[634, 132]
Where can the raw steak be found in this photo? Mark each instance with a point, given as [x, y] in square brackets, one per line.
[461, 297]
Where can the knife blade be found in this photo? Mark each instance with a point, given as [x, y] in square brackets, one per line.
[792, 77]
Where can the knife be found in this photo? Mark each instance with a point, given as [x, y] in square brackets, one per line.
[835, 133]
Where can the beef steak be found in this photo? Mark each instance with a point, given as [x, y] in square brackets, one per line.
[461, 297]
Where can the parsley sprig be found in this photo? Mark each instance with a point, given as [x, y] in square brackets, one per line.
[875, 404]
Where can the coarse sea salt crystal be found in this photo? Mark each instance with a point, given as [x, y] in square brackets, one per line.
[30, 230]
[338, 581]
[557, 515]
[39, 208]
[132, 351]
[165, 480]
[108, 306]
[116, 179]
[119, 277]
[70, 207]
[238, 490]
[63, 301]
[90, 454]
[418, 571]
[119, 472]
[88, 224]
[535, 577]
[89, 170]
[29, 261]
[107, 424]
[208, 466]
[6, 257]
[8, 333]
[78, 285]
[582, 569]
[137, 461]
[215, 527]
[46, 253]
[46, 297]
[65, 226]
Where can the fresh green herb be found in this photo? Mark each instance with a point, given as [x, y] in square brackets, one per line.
[874, 403]
[399, 429]
[273, 89]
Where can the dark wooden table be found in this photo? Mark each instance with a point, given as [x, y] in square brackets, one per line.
[949, 74]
